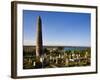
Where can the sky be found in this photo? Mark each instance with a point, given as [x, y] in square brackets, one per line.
[58, 28]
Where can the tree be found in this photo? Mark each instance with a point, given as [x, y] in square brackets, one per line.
[45, 50]
[60, 50]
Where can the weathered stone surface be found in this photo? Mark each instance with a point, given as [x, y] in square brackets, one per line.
[39, 46]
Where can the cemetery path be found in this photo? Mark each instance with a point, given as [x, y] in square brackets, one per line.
[53, 66]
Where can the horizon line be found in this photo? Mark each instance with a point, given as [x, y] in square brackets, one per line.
[59, 45]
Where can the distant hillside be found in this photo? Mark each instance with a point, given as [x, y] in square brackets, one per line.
[31, 48]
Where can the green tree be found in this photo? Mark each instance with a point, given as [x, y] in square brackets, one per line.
[45, 50]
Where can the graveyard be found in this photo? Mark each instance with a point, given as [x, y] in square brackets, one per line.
[41, 56]
[56, 57]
